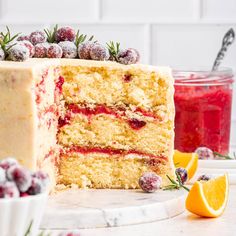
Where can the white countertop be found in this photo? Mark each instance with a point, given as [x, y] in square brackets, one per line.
[184, 224]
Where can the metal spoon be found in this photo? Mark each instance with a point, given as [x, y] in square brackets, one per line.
[227, 41]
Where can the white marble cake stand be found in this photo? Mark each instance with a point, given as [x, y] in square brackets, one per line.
[79, 209]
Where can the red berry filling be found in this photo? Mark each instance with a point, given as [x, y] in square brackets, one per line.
[111, 151]
[119, 113]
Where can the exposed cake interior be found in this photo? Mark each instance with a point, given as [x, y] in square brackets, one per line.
[118, 124]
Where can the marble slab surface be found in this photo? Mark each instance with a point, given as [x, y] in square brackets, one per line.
[81, 209]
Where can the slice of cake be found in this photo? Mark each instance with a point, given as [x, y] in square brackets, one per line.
[96, 124]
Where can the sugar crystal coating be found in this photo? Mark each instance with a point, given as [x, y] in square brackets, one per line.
[8, 162]
[37, 37]
[41, 50]
[69, 49]
[54, 51]
[19, 52]
[43, 177]
[150, 182]
[128, 56]
[65, 34]
[9, 190]
[29, 45]
[23, 37]
[2, 175]
[35, 187]
[99, 52]
[84, 50]
[183, 174]
[204, 153]
[20, 176]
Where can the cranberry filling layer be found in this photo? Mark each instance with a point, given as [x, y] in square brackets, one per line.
[111, 151]
[119, 113]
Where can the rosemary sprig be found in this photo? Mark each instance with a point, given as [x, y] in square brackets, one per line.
[80, 38]
[114, 49]
[175, 184]
[51, 34]
[6, 38]
[226, 157]
[27, 233]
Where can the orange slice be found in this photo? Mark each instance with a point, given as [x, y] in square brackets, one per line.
[209, 198]
[189, 161]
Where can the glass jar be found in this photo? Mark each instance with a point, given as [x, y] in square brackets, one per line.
[203, 101]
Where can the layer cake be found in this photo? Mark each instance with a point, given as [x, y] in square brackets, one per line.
[96, 124]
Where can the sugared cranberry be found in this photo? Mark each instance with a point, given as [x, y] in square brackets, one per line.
[2, 175]
[9, 190]
[20, 176]
[36, 186]
[99, 52]
[41, 50]
[204, 153]
[29, 45]
[43, 177]
[69, 50]
[69, 234]
[37, 37]
[54, 51]
[136, 124]
[23, 38]
[19, 53]
[150, 182]
[182, 173]
[2, 54]
[65, 34]
[8, 162]
[128, 56]
[204, 178]
[84, 50]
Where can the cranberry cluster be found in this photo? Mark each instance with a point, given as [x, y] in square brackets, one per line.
[17, 181]
[65, 43]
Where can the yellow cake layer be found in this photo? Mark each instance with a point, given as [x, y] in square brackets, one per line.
[98, 170]
[104, 130]
[97, 83]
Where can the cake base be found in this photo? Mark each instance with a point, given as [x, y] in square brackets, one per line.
[80, 209]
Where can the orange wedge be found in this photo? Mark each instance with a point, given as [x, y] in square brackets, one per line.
[208, 199]
[189, 161]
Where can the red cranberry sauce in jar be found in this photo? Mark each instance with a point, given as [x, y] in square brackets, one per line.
[203, 102]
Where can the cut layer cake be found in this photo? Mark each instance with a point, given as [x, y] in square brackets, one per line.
[96, 124]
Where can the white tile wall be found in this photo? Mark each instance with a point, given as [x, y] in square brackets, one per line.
[219, 9]
[183, 33]
[140, 10]
[37, 11]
